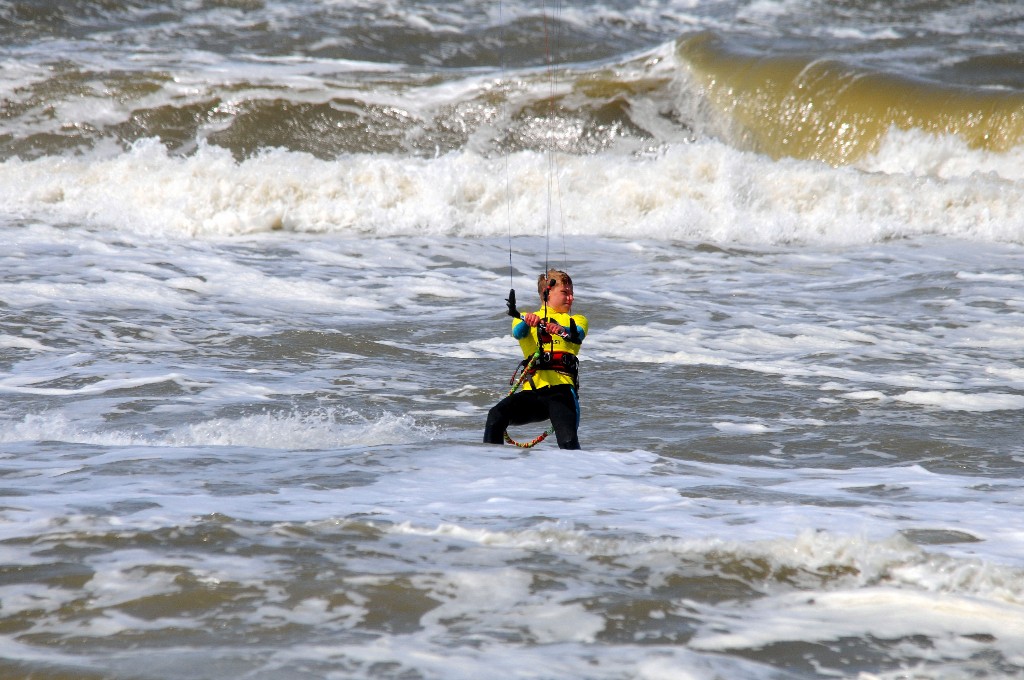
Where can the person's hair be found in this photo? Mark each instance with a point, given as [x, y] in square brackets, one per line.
[544, 281]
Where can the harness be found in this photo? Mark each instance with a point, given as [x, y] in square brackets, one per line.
[565, 363]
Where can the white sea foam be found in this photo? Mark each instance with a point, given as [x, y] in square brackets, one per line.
[944, 620]
[742, 428]
[702, 191]
[23, 343]
[957, 401]
[303, 431]
[326, 428]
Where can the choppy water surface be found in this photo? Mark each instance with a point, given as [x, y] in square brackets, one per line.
[252, 318]
[264, 458]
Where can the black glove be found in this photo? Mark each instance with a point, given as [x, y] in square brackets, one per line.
[511, 302]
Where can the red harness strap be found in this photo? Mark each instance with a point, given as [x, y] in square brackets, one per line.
[565, 363]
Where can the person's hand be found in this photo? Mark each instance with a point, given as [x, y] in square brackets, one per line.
[554, 329]
[531, 319]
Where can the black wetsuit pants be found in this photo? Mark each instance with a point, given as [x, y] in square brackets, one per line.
[558, 404]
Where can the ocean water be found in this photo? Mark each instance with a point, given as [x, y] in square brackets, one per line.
[255, 256]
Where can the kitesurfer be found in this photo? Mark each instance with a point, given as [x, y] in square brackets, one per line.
[550, 382]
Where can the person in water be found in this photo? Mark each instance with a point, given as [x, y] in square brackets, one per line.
[550, 389]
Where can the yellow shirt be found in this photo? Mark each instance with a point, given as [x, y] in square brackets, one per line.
[550, 343]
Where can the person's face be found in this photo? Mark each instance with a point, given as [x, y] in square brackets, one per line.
[560, 299]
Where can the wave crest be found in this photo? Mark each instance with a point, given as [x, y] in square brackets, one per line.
[821, 109]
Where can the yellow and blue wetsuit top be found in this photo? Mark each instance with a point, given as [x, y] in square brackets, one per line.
[554, 368]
